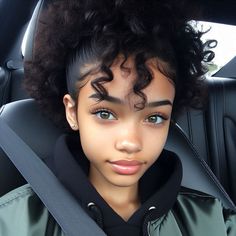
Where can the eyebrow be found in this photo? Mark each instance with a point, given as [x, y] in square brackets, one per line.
[116, 100]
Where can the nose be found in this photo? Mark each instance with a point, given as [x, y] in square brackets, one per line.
[129, 140]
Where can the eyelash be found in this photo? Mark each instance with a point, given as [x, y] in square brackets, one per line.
[99, 110]
[158, 115]
[96, 111]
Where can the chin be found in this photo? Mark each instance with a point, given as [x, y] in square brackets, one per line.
[125, 181]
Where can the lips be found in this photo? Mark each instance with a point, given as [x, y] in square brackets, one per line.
[124, 167]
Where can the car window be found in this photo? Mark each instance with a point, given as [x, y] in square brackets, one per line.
[226, 46]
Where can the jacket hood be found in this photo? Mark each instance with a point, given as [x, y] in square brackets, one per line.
[158, 188]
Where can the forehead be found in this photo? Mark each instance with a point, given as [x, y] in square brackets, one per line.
[126, 75]
[124, 78]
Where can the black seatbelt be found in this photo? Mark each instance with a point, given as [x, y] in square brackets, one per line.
[63, 207]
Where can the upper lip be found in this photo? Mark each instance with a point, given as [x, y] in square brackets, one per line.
[126, 163]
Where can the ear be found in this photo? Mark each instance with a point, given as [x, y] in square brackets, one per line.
[71, 112]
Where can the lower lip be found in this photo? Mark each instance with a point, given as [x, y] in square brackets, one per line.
[125, 170]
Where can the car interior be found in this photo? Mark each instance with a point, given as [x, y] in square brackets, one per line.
[204, 140]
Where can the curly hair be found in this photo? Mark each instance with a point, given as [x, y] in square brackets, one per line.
[73, 33]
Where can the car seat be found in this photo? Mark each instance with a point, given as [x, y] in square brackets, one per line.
[213, 131]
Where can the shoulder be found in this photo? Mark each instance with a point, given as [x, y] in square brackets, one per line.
[19, 202]
[23, 198]
[194, 194]
[198, 200]
[204, 211]
[17, 195]
[195, 213]
[21, 212]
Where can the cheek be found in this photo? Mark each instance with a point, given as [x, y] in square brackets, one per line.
[154, 142]
[95, 140]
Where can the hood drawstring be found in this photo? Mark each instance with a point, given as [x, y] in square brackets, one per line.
[147, 218]
[97, 214]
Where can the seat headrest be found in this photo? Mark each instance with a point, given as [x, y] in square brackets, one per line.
[31, 31]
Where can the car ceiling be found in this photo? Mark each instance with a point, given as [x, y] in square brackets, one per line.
[221, 11]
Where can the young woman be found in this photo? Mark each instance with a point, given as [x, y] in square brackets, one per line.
[116, 72]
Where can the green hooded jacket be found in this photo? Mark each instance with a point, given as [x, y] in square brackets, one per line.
[194, 214]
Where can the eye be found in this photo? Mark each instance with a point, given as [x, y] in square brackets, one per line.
[156, 119]
[104, 114]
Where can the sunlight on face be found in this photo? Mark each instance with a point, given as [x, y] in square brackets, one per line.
[120, 142]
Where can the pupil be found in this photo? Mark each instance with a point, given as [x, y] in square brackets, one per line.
[105, 115]
[153, 119]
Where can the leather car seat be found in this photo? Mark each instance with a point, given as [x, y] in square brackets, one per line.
[221, 123]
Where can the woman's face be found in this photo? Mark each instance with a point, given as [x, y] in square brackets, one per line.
[120, 141]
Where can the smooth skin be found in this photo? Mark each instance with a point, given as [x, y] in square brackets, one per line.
[113, 130]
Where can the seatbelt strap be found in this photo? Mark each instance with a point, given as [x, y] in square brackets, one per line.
[63, 207]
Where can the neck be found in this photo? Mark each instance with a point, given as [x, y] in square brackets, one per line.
[124, 200]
